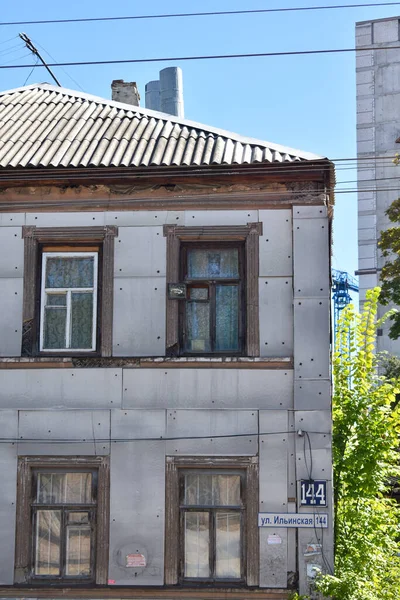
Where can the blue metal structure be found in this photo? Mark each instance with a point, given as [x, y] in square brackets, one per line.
[342, 283]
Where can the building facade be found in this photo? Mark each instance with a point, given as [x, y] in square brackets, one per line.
[378, 131]
[164, 355]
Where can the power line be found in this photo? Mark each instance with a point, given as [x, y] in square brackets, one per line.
[160, 438]
[35, 51]
[206, 57]
[199, 14]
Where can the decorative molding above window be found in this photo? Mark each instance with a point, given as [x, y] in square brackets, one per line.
[247, 234]
[59, 238]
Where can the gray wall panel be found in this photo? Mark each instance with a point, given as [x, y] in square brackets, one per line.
[140, 218]
[273, 494]
[309, 212]
[312, 394]
[207, 388]
[321, 461]
[137, 511]
[188, 423]
[128, 424]
[311, 338]
[8, 469]
[66, 425]
[65, 219]
[139, 316]
[220, 217]
[311, 257]
[140, 252]
[12, 219]
[60, 388]
[11, 252]
[276, 316]
[276, 251]
[10, 317]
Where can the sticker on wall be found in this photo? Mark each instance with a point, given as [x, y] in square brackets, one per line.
[312, 549]
[135, 560]
[274, 539]
[111, 581]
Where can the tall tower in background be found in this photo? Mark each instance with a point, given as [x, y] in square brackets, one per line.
[378, 129]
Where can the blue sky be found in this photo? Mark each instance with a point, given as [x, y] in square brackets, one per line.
[306, 102]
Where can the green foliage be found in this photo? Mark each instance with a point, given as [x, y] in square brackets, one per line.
[366, 426]
[389, 244]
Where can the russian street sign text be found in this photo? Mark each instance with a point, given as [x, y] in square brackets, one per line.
[293, 520]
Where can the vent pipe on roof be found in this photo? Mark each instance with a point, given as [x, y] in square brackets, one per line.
[125, 91]
[168, 95]
[152, 98]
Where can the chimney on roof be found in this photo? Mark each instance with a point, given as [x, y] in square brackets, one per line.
[125, 91]
[166, 94]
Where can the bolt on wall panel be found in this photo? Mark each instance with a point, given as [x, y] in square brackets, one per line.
[207, 388]
[12, 219]
[140, 252]
[11, 294]
[144, 218]
[276, 316]
[11, 252]
[273, 477]
[65, 219]
[8, 469]
[137, 498]
[220, 217]
[312, 338]
[139, 316]
[192, 424]
[310, 212]
[64, 432]
[311, 257]
[137, 423]
[276, 248]
[60, 388]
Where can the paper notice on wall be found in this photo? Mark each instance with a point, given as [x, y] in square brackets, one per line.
[135, 560]
[274, 539]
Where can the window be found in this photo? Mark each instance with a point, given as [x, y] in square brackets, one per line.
[220, 266]
[68, 290]
[62, 520]
[211, 509]
[211, 524]
[68, 301]
[212, 316]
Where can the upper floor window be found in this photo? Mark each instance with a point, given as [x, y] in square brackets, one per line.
[213, 314]
[69, 301]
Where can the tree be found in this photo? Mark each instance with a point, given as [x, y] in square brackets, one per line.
[389, 244]
[366, 426]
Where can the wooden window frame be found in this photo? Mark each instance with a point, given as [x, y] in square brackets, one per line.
[27, 465]
[68, 292]
[173, 530]
[249, 234]
[239, 281]
[34, 237]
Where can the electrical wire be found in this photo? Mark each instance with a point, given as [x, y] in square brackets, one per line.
[5, 440]
[31, 71]
[55, 60]
[92, 63]
[199, 14]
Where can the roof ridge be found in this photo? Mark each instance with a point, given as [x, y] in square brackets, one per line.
[146, 112]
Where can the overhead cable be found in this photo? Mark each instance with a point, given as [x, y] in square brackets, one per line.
[92, 63]
[199, 14]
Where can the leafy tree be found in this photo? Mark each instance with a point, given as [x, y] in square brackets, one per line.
[389, 244]
[365, 437]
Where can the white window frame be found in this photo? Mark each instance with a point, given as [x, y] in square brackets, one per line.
[68, 292]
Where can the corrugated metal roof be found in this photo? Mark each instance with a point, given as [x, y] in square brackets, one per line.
[42, 125]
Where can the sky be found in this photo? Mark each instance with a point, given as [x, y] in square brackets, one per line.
[305, 102]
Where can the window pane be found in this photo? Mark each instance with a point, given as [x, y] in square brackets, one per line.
[56, 300]
[47, 542]
[68, 272]
[197, 542]
[227, 549]
[54, 328]
[212, 490]
[197, 293]
[64, 488]
[213, 264]
[227, 318]
[198, 326]
[78, 551]
[78, 517]
[81, 320]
